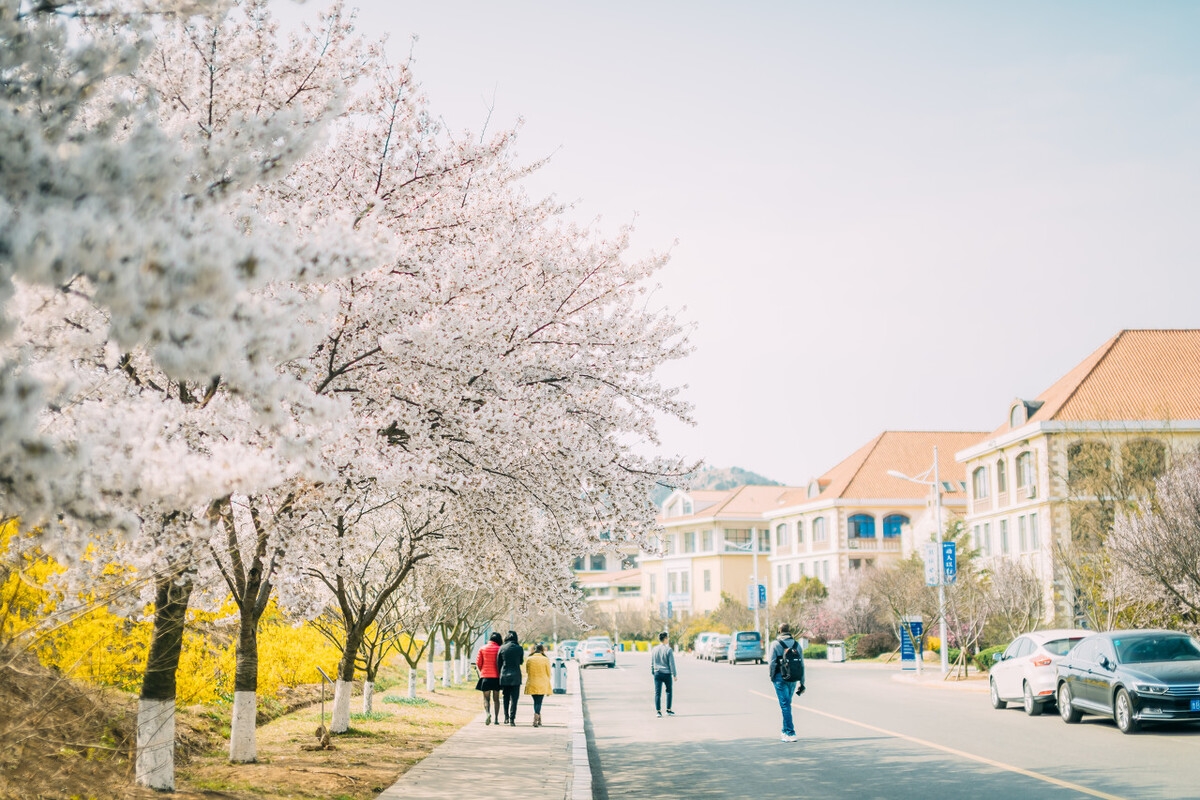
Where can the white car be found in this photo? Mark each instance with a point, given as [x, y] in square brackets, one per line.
[1025, 672]
[594, 651]
[701, 647]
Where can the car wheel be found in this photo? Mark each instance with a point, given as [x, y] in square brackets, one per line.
[996, 701]
[1069, 713]
[612, 666]
[1123, 712]
[1032, 707]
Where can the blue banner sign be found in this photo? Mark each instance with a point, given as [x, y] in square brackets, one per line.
[949, 562]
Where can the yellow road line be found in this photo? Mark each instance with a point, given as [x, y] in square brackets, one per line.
[970, 756]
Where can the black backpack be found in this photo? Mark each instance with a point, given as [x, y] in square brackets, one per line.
[791, 664]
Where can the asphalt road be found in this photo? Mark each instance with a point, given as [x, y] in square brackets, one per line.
[863, 734]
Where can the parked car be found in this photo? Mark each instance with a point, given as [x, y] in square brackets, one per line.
[566, 648]
[596, 650]
[718, 647]
[745, 646]
[700, 647]
[1025, 672]
[1132, 677]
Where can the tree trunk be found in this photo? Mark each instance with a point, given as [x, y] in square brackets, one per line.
[368, 696]
[155, 761]
[345, 684]
[446, 682]
[243, 746]
[412, 682]
[430, 675]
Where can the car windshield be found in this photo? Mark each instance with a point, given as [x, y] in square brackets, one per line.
[598, 643]
[1144, 649]
[1060, 647]
[748, 637]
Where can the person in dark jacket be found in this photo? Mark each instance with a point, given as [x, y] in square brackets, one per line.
[509, 660]
[489, 677]
[784, 690]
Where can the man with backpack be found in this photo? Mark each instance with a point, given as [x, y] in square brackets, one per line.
[787, 674]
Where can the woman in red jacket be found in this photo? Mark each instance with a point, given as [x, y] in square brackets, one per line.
[489, 677]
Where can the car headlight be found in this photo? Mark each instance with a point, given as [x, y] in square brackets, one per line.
[1151, 688]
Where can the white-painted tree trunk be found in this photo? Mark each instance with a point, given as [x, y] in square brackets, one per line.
[412, 683]
[430, 672]
[368, 696]
[156, 744]
[446, 682]
[243, 745]
[340, 721]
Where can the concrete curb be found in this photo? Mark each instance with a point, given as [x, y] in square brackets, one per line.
[579, 782]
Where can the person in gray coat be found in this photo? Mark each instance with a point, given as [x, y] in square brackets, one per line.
[509, 660]
[662, 667]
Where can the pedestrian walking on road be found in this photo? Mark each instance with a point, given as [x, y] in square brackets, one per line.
[489, 678]
[537, 682]
[509, 660]
[662, 667]
[787, 674]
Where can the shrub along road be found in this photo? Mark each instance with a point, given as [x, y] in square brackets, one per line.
[863, 734]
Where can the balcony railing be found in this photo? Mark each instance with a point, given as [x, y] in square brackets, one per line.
[888, 544]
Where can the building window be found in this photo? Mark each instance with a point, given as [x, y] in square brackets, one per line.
[577, 564]
[670, 544]
[818, 529]
[799, 532]
[683, 582]
[893, 525]
[672, 583]
[979, 483]
[781, 535]
[802, 572]
[653, 585]
[1004, 536]
[706, 540]
[861, 526]
[737, 539]
[825, 569]
[787, 575]
[1022, 535]
[1001, 476]
[689, 542]
[977, 540]
[1089, 467]
[708, 580]
[687, 507]
[779, 575]
[1034, 544]
[764, 540]
[987, 538]
[1026, 475]
[599, 564]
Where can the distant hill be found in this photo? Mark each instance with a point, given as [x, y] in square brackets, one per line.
[718, 480]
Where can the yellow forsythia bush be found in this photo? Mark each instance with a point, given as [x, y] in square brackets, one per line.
[102, 648]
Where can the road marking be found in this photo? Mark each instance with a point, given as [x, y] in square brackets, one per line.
[961, 754]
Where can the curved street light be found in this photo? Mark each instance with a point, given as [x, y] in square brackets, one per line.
[941, 568]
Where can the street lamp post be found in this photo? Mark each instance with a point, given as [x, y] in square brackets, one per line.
[936, 485]
[751, 548]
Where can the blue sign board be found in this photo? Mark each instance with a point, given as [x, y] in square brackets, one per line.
[762, 595]
[908, 648]
[949, 562]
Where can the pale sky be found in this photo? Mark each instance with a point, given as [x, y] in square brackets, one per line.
[887, 215]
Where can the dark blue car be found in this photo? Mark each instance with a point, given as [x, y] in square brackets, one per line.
[1132, 677]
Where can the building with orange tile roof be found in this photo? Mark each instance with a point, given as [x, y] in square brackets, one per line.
[706, 548]
[857, 515]
[1137, 396]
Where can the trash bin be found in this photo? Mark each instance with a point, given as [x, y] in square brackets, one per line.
[558, 674]
[835, 650]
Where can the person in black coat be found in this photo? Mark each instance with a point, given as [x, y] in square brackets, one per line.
[509, 660]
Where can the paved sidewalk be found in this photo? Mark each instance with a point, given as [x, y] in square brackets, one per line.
[502, 762]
